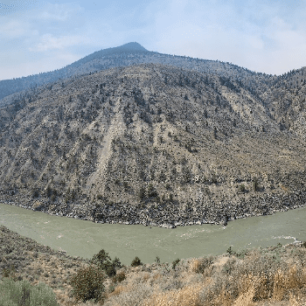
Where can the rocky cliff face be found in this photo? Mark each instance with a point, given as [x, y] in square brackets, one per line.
[152, 144]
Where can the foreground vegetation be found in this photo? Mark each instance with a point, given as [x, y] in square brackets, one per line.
[35, 275]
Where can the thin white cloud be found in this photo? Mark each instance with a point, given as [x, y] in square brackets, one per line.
[33, 65]
[13, 29]
[51, 42]
[262, 39]
[58, 12]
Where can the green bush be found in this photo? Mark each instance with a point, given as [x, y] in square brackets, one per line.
[242, 188]
[104, 262]
[142, 193]
[255, 184]
[35, 194]
[110, 270]
[9, 272]
[230, 251]
[136, 262]
[151, 191]
[22, 293]
[88, 284]
[175, 262]
[157, 260]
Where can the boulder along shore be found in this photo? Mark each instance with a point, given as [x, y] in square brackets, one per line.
[169, 216]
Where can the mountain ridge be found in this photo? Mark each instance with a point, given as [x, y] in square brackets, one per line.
[125, 55]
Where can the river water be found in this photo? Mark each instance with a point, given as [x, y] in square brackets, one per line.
[85, 238]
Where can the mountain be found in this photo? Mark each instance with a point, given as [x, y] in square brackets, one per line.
[156, 144]
[128, 55]
[8, 87]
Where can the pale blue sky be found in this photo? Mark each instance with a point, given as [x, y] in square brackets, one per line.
[265, 36]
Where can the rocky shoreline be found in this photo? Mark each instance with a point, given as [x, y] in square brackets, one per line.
[169, 216]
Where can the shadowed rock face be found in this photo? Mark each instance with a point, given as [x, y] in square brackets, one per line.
[154, 144]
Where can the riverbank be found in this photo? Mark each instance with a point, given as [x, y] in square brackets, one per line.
[166, 216]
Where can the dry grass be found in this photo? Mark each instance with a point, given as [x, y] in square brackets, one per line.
[263, 277]
[195, 265]
[185, 296]
[245, 299]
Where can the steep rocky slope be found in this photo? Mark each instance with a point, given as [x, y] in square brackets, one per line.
[287, 103]
[151, 144]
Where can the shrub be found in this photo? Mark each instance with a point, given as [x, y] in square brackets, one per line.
[88, 284]
[157, 260]
[205, 263]
[242, 188]
[111, 288]
[23, 293]
[35, 194]
[49, 191]
[9, 272]
[110, 270]
[255, 184]
[142, 193]
[103, 261]
[229, 251]
[136, 262]
[119, 277]
[214, 179]
[151, 191]
[241, 254]
[126, 186]
[116, 262]
[175, 262]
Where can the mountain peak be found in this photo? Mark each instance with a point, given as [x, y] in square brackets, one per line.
[133, 46]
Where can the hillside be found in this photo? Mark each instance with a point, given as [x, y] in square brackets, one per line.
[152, 144]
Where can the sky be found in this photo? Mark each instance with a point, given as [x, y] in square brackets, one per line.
[264, 36]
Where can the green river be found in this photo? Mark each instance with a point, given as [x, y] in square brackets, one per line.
[85, 238]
